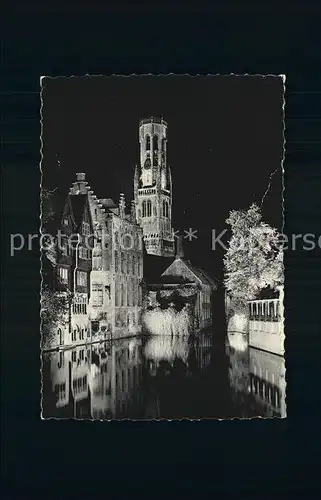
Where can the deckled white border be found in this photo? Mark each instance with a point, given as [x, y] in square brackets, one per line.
[197, 75]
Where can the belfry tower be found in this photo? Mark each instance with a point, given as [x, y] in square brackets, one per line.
[153, 188]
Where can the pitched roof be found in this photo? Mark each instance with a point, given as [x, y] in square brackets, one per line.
[201, 275]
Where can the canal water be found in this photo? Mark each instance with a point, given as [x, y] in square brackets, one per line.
[164, 377]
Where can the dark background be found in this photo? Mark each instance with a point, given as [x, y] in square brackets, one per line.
[225, 138]
[74, 459]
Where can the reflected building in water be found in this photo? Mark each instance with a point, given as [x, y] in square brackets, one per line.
[119, 379]
[60, 378]
[100, 381]
[257, 379]
[267, 382]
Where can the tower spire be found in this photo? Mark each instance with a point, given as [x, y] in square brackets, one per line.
[152, 190]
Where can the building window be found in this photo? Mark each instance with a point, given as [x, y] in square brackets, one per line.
[138, 266]
[116, 238]
[147, 142]
[80, 305]
[85, 228]
[155, 142]
[134, 264]
[116, 261]
[97, 262]
[155, 158]
[122, 262]
[64, 246]
[97, 294]
[123, 295]
[149, 208]
[163, 143]
[63, 275]
[130, 292]
[73, 355]
[117, 294]
[84, 253]
[144, 208]
[81, 278]
[65, 222]
[134, 292]
[165, 208]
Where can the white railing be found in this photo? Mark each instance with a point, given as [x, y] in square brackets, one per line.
[265, 310]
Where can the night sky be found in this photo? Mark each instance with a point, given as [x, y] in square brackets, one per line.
[225, 137]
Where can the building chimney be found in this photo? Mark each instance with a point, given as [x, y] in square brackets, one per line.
[179, 248]
[80, 186]
[80, 177]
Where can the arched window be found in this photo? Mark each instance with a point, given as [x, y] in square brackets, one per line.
[165, 208]
[155, 142]
[147, 163]
[144, 208]
[149, 208]
[155, 158]
[147, 142]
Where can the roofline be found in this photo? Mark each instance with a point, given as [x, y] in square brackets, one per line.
[152, 119]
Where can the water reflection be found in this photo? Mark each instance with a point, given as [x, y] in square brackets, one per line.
[257, 379]
[164, 377]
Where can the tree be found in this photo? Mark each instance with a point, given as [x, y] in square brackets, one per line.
[54, 312]
[254, 258]
[47, 206]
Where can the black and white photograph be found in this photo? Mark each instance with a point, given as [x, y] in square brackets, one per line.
[162, 277]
